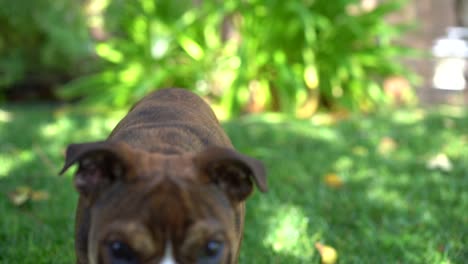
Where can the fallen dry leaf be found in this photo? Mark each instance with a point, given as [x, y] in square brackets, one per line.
[20, 196]
[333, 180]
[328, 254]
[23, 194]
[387, 145]
[39, 195]
[440, 162]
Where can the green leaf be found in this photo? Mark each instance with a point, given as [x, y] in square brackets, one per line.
[192, 48]
[108, 52]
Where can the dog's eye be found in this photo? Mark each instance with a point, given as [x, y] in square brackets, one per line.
[121, 253]
[211, 252]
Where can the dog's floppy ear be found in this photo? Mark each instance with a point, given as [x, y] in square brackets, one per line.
[100, 163]
[232, 171]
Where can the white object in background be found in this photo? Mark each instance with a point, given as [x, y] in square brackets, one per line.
[450, 74]
[451, 53]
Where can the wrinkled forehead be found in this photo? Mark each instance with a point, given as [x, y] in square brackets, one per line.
[170, 219]
[167, 207]
[174, 204]
[155, 168]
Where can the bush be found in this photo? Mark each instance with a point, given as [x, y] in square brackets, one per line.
[252, 55]
[40, 38]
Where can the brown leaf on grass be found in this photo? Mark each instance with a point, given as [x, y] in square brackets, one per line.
[39, 196]
[23, 194]
[333, 180]
[387, 145]
[440, 162]
[20, 196]
[328, 254]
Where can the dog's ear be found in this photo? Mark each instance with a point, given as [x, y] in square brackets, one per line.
[99, 164]
[232, 171]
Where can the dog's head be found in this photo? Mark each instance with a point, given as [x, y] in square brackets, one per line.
[162, 208]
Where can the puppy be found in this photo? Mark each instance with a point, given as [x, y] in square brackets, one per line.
[166, 187]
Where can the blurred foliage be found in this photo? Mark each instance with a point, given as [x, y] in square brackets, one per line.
[40, 38]
[243, 56]
[249, 55]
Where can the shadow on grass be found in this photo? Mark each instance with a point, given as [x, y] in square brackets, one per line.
[31, 154]
[391, 208]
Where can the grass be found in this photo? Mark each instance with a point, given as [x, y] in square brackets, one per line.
[390, 207]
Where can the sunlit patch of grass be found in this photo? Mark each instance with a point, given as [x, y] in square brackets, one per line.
[5, 116]
[7, 163]
[287, 233]
[391, 198]
[96, 127]
[12, 158]
[54, 129]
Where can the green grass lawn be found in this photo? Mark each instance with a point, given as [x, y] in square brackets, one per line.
[390, 207]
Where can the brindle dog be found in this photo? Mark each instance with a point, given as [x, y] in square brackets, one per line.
[165, 187]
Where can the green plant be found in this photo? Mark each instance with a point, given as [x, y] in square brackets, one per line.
[336, 52]
[252, 55]
[39, 38]
[152, 44]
